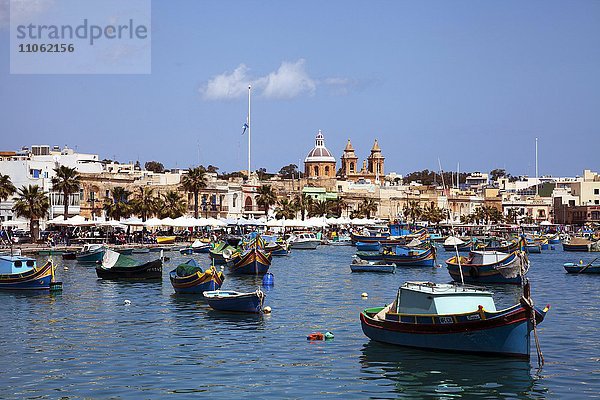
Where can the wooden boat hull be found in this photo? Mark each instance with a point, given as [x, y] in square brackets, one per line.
[246, 302]
[148, 271]
[368, 246]
[390, 269]
[35, 279]
[367, 239]
[462, 248]
[198, 282]
[423, 259]
[478, 274]
[506, 332]
[90, 257]
[253, 262]
[579, 268]
[576, 247]
[165, 239]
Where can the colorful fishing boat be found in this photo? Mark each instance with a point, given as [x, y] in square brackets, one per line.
[252, 261]
[369, 237]
[404, 256]
[189, 278]
[91, 253]
[577, 244]
[165, 239]
[223, 253]
[554, 239]
[582, 268]
[369, 255]
[454, 318]
[497, 245]
[359, 265]
[23, 273]
[116, 266]
[277, 247]
[489, 267]
[228, 300]
[452, 243]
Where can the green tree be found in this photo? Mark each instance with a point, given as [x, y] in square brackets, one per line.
[33, 204]
[289, 171]
[413, 211]
[266, 197]
[511, 215]
[286, 209]
[497, 173]
[154, 166]
[368, 206]
[303, 203]
[7, 188]
[336, 207]
[432, 214]
[144, 204]
[172, 205]
[193, 182]
[117, 206]
[318, 208]
[67, 181]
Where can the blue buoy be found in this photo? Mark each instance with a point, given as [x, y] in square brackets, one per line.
[268, 279]
[551, 247]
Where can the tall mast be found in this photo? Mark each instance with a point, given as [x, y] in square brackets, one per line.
[249, 130]
[537, 179]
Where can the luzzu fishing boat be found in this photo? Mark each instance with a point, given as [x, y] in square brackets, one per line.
[91, 253]
[254, 260]
[452, 243]
[404, 256]
[489, 267]
[116, 266]
[22, 273]
[189, 278]
[222, 253]
[577, 244]
[368, 246]
[454, 318]
[498, 245]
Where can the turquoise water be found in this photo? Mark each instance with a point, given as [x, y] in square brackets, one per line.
[85, 343]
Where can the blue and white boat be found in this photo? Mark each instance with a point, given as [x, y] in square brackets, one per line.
[23, 273]
[489, 267]
[229, 300]
[454, 318]
[582, 268]
[404, 256]
[368, 246]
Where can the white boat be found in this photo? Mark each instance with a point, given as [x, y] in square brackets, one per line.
[341, 240]
[304, 241]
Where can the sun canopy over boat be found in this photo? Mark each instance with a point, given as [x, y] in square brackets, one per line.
[453, 241]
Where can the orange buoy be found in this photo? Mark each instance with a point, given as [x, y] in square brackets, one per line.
[316, 336]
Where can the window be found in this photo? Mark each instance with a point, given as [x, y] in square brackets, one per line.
[351, 167]
[596, 191]
[234, 199]
[316, 170]
[327, 170]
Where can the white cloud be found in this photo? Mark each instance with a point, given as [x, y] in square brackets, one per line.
[290, 80]
[227, 85]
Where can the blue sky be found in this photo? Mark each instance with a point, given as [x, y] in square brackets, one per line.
[463, 81]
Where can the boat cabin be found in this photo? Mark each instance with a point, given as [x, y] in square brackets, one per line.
[305, 236]
[486, 257]
[10, 265]
[441, 298]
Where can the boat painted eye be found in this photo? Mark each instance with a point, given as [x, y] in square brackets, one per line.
[18, 264]
[29, 263]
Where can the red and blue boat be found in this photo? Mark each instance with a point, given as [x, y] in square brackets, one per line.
[23, 273]
[190, 278]
[455, 318]
[489, 267]
[254, 260]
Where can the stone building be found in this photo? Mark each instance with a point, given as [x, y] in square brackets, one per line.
[319, 163]
[372, 168]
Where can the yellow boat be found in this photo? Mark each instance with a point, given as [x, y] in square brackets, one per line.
[165, 239]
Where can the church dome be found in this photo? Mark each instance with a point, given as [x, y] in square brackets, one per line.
[319, 153]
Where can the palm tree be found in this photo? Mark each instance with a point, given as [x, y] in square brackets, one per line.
[511, 215]
[144, 203]
[432, 214]
[66, 181]
[172, 205]
[286, 209]
[32, 204]
[413, 211]
[266, 197]
[117, 206]
[7, 189]
[367, 207]
[336, 207]
[192, 182]
[318, 208]
[303, 203]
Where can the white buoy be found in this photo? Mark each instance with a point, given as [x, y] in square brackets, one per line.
[267, 310]
[66, 268]
[222, 268]
[127, 302]
[162, 254]
[364, 295]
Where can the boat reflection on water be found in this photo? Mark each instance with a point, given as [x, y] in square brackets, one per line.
[421, 373]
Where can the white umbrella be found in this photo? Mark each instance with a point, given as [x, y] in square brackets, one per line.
[15, 222]
[133, 221]
[78, 220]
[215, 222]
[152, 222]
[167, 221]
[112, 224]
[276, 223]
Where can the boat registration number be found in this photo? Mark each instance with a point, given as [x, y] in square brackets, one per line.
[446, 320]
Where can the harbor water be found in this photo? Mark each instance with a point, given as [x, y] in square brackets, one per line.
[87, 343]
